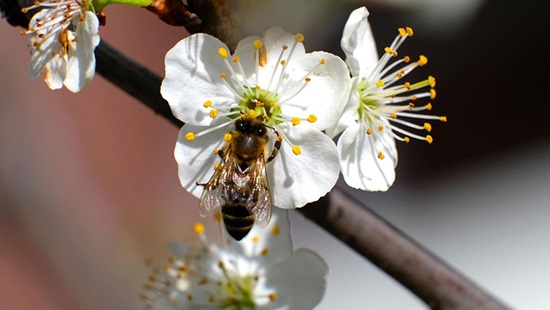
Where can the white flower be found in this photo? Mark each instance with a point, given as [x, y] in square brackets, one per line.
[263, 271]
[379, 110]
[271, 79]
[62, 39]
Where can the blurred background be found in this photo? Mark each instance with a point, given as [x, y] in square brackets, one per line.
[89, 188]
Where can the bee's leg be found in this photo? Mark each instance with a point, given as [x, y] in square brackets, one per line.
[276, 147]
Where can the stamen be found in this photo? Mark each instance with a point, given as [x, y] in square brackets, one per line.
[312, 118]
[227, 137]
[275, 230]
[295, 121]
[189, 136]
[381, 155]
[198, 228]
[207, 104]
[296, 150]
[213, 113]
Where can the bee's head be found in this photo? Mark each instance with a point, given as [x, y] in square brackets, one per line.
[251, 126]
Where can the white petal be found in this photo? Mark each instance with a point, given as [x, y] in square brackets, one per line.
[358, 43]
[193, 67]
[48, 48]
[56, 71]
[299, 179]
[349, 113]
[275, 238]
[299, 281]
[196, 158]
[361, 166]
[81, 57]
[326, 93]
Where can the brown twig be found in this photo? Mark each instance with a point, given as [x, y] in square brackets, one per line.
[436, 283]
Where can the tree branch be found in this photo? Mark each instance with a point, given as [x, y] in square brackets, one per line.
[436, 283]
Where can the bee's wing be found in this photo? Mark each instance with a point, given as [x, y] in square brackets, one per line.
[262, 194]
[211, 198]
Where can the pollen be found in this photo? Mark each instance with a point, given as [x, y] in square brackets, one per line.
[296, 150]
[252, 113]
[275, 230]
[272, 296]
[308, 80]
[393, 116]
[388, 50]
[380, 83]
[295, 121]
[255, 239]
[189, 136]
[406, 59]
[431, 80]
[258, 44]
[299, 38]
[402, 32]
[207, 104]
[411, 105]
[423, 60]
[223, 75]
[265, 252]
[283, 62]
[432, 93]
[312, 118]
[380, 128]
[198, 228]
[285, 47]
[236, 59]
[443, 119]
[428, 127]
[213, 113]
[223, 52]
[428, 107]
[322, 61]
[406, 139]
[381, 155]
[410, 31]
[429, 139]
[227, 137]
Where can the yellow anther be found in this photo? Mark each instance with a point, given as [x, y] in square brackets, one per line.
[25, 10]
[380, 128]
[218, 216]
[221, 265]
[429, 139]
[393, 116]
[406, 59]
[411, 105]
[402, 32]
[216, 151]
[428, 107]
[308, 80]
[422, 60]
[380, 83]
[217, 166]
[213, 113]
[236, 59]
[296, 150]
[275, 230]
[255, 239]
[388, 50]
[207, 104]
[189, 136]
[295, 121]
[410, 31]
[312, 118]
[299, 38]
[369, 131]
[265, 252]
[428, 127]
[257, 44]
[223, 52]
[407, 85]
[381, 155]
[280, 138]
[431, 80]
[258, 87]
[223, 75]
[285, 47]
[322, 61]
[414, 97]
[211, 299]
[443, 119]
[190, 297]
[432, 93]
[272, 104]
[283, 62]
[272, 296]
[406, 140]
[252, 113]
[198, 228]
[227, 137]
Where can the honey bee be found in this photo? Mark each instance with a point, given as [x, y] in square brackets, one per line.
[239, 186]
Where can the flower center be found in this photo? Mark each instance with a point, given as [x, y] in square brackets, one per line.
[264, 103]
